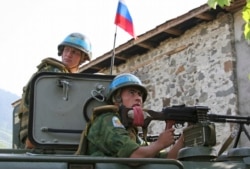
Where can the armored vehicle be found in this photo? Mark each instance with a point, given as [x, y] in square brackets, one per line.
[61, 105]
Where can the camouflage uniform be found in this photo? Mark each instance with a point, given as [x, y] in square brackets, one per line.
[108, 137]
[105, 135]
[47, 65]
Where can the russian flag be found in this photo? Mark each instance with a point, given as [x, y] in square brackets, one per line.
[123, 18]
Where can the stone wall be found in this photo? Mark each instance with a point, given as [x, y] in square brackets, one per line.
[243, 71]
[197, 68]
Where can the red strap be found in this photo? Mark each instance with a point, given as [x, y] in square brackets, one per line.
[138, 116]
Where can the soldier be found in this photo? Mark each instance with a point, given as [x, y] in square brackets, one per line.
[75, 49]
[106, 135]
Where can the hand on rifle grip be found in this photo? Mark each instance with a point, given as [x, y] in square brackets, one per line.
[169, 124]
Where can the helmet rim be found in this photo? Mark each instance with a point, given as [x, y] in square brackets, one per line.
[78, 41]
[131, 81]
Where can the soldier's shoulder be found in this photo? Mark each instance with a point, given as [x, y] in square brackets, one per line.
[51, 64]
[107, 117]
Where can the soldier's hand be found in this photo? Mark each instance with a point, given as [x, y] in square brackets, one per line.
[166, 138]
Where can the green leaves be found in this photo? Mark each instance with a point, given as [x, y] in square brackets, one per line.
[245, 13]
[221, 3]
[246, 17]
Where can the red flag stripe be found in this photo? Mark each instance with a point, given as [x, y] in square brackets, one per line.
[123, 18]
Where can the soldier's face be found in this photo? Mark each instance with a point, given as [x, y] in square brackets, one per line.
[131, 97]
[71, 57]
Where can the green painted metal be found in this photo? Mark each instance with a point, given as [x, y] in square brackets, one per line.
[195, 157]
[17, 159]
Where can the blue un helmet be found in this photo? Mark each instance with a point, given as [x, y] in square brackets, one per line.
[125, 80]
[78, 41]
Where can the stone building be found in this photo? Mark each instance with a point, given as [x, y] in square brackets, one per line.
[198, 58]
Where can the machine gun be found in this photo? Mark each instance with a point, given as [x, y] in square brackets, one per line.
[172, 115]
[200, 132]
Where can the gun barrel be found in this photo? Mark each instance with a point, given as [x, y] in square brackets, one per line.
[227, 118]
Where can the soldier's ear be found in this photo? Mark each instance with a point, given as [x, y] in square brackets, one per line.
[118, 99]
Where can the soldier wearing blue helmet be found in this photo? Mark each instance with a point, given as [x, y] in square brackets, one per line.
[75, 49]
[108, 135]
[123, 80]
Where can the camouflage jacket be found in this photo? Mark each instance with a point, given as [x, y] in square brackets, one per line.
[105, 135]
[108, 137]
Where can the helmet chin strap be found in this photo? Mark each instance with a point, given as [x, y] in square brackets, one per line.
[82, 60]
[74, 67]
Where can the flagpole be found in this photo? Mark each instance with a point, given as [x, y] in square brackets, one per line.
[113, 53]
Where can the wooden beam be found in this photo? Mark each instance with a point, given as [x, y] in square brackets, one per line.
[173, 31]
[205, 16]
[145, 45]
[120, 58]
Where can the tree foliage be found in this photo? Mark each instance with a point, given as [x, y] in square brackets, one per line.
[245, 13]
